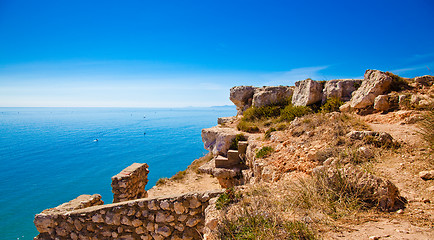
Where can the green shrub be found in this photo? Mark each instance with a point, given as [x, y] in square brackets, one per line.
[228, 197]
[161, 181]
[234, 143]
[398, 83]
[265, 151]
[290, 112]
[254, 113]
[281, 126]
[179, 175]
[268, 132]
[246, 126]
[332, 105]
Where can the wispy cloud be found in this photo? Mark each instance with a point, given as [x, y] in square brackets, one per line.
[293, 75]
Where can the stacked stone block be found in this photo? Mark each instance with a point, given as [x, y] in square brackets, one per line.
[172, 217]
[130, 183]
[234, 156]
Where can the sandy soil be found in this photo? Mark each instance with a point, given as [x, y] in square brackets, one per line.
[191, 182]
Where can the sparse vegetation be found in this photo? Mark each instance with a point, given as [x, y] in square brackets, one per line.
[228, 197]
[253, 226]
[336, 199]
[331, 105]
[398, 83]
[234, 143]
[179, 175]
[290, 112]
[264, 151]
[246, 126]
[161, 181]
[268, 132]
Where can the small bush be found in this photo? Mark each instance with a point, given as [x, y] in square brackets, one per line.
[263, 152]
[246, 126]
[268, 132]
[265, 112]
[281, 126]
[179, 175]
[331, 105]
[290, 112]
[228, 197]
[336, 199]
[161, 181]
[398, 83]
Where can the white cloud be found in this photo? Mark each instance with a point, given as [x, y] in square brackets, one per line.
[293, 75]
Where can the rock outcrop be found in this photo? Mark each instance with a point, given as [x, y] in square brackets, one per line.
[381, 103]
[307, 92]
[218, 139]
[265, 96]
[242, 97]
[375, 83]
[340, 88]
[381, 139]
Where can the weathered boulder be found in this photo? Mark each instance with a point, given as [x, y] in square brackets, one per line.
[218, 139]
[265, 96]
[375, 83]
[381, 103]
[340, 88]
[242, 96]
[378, 138]
[372, 190]
[225, 120]
[307, 92]
[427, 175]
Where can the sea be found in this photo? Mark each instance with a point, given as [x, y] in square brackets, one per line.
[49, 156]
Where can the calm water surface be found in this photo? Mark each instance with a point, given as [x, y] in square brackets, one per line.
[48, 156]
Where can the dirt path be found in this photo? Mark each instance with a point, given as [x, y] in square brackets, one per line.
[401, 167]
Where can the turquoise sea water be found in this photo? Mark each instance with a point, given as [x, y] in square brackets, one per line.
[48, 156]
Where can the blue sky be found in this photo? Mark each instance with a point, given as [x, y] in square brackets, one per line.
[189, 53]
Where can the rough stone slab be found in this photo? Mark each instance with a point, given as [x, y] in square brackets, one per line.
[233, 157]
[221, 162]
[307, 92]
[242, 147]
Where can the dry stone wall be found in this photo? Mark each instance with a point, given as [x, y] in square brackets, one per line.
[130, 183]
[171, 217]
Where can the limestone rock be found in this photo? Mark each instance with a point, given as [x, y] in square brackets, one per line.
[381, 103]
[374, 84]
[224, 120]
[218, 139]
[265, 96]
[380, 138]
[427, 175]
[44, 223]
[242, 96]
[371, 189]
[307, 92]
[340, 88]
